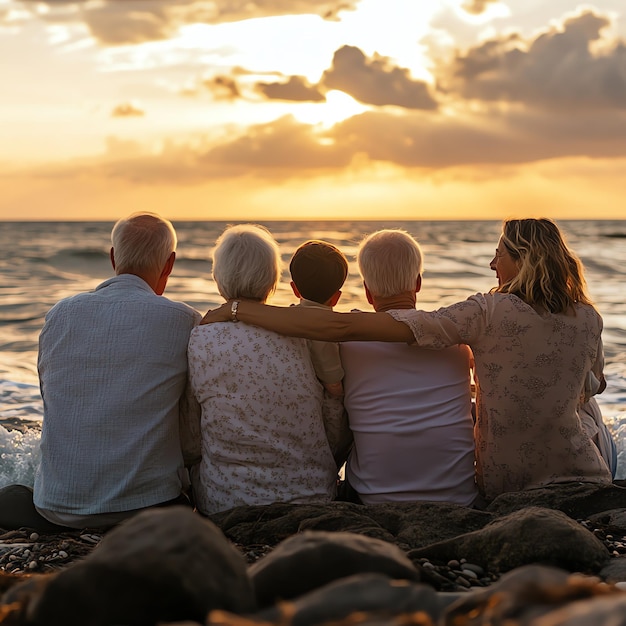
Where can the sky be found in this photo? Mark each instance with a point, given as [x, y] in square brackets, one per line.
[312, 109]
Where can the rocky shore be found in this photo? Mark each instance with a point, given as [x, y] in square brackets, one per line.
[544, 557]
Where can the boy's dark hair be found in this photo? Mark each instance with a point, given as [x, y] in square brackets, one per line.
[318, 269]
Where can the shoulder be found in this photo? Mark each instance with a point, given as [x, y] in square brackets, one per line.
[243, 333]
[181, 307]
[589, 314]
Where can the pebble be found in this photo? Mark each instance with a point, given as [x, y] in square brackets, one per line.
[56, 552]
[477, 569]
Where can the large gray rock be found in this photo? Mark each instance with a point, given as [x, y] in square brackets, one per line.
[407, 524]
[162, 565]
[614, 571]
[312, 559]
[532, 535]
[577, 500]
[602, 610]
[376, 595]
[524, 597]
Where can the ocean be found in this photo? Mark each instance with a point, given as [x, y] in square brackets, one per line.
[42, 262]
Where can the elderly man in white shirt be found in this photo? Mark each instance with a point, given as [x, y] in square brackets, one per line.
[119, 426]
[409, 408]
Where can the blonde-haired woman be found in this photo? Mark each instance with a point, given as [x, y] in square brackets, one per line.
[263, 437]
[535, 338]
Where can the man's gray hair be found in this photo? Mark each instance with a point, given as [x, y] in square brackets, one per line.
[246, 263]
[142, 242]
[390, 262]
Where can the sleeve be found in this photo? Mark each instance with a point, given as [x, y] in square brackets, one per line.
[189, 413]
[594, 382]
[460, 323]
[337, 427]
[326, 361]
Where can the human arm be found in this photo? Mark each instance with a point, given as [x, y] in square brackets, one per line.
[337, 427]
[314, 323]
[595, 382]
[189, 413]
[334, 389]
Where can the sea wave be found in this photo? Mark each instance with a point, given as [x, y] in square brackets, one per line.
[19, 455]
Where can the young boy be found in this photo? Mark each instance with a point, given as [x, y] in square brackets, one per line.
[318, 270]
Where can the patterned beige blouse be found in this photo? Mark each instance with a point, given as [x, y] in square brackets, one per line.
[530, 374]
[263, 437]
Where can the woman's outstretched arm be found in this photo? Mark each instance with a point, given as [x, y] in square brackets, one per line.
[313, 323]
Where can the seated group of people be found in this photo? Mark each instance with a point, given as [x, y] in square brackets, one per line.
[146, 405]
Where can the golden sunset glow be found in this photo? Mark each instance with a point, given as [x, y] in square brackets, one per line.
[362, 109]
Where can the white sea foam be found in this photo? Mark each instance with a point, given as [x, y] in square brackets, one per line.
[19, 454]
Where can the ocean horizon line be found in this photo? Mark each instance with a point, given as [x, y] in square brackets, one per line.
[308, 219]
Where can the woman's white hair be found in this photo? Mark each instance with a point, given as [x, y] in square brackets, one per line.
[142, 242]
[246, 263]
[390, 262]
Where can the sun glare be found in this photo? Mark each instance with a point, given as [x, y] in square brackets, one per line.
[338, 107]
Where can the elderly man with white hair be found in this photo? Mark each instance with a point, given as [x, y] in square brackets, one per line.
[118, 427]
[409, 408]
[263, 436]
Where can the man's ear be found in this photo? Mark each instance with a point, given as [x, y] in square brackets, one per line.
[418, 284]
[334, 298]
[112, 257]
[296, 291]
[169, 265]
[165, 274]
[368, 294]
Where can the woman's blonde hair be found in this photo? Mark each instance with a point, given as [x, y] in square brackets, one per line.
[550, 275]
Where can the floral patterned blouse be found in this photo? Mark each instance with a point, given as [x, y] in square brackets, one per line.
[530, 374]
[263, 438]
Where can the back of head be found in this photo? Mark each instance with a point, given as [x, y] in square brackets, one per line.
[246, 263]
[142, 243]
[550, 275]
[390, 262]
[318, 269]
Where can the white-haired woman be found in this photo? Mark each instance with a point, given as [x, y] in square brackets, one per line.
[263, 437]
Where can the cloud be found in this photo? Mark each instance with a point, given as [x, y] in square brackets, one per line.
[282, 145]
[285, 148]
[376, 81]
[296, 89]
[117, 22]
[571, 67]
[222, 87]
[127, 109]
[476, 7]
[419, 140]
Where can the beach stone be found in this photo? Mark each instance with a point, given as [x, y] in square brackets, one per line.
[614, 571]
[406, 524]
[577, 500]
[375, 595]
[522, 596]
[609, 610]
[613, 518]
[532, 535]
[161, 565]
[312, 559]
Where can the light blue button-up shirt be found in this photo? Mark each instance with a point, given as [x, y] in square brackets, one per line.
[113, 370]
